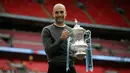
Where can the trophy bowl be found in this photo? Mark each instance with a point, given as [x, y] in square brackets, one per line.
[79, 49]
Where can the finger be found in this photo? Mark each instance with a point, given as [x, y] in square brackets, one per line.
[66, 30]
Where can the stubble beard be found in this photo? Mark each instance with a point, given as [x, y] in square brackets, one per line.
[59, 21]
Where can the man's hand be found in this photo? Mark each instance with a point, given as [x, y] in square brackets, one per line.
[65, 34]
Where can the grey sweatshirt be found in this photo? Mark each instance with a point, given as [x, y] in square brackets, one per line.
[55, 47]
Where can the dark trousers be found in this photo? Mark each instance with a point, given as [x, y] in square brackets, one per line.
[60, 68]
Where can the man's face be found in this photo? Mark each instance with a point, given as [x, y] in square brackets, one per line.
[59, 14]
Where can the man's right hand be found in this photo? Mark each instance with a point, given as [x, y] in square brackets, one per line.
[65, 34]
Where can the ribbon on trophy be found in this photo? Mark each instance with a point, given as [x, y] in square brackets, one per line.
[89, 61]
[68, 43]
[79, 41]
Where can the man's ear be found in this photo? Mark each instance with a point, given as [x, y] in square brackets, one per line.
[65, 13]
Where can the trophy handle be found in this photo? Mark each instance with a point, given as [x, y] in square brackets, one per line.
[86, 36]
[68, 49]
[89, 60]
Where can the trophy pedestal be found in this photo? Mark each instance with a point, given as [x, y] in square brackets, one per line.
[79, 49]
[80, 55]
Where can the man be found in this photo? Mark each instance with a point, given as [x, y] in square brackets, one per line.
[54, 38]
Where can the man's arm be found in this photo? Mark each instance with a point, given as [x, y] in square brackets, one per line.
[47, 41]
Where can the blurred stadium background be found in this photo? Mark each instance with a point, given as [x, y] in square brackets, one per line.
[21, 22]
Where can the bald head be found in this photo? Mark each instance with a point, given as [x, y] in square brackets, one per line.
[59, 5]
[59, 13]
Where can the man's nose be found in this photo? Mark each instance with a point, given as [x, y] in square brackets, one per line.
[59, 14]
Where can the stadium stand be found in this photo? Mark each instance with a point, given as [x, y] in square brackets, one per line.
[5, 39]
[34, 66]
[27, 45]
[125, 4]
[21, 40]
[4, 64]
[97, 52]
[26, 36]
[103, 12]
[112, 48]
[3, 43]
[123, 54]
[38, 66]
[72, 10]
[108, 44]
[0, 10]
[23, 7]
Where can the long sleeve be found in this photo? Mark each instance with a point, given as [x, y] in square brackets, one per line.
[50, 45]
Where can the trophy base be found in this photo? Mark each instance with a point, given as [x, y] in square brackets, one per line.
[80, 56]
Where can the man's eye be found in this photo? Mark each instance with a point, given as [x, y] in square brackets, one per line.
[56, 12]
[61, 12]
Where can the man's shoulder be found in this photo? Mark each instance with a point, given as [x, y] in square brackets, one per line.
[49, 26]
[68, 26]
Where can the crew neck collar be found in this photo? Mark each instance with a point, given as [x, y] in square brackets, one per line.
[60, 26]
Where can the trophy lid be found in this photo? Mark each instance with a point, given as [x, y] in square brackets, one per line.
[76, 22]
[77, 26]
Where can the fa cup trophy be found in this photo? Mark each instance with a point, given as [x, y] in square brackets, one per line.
[79, 41]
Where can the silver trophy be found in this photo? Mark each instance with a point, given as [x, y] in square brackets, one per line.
[79, 41]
